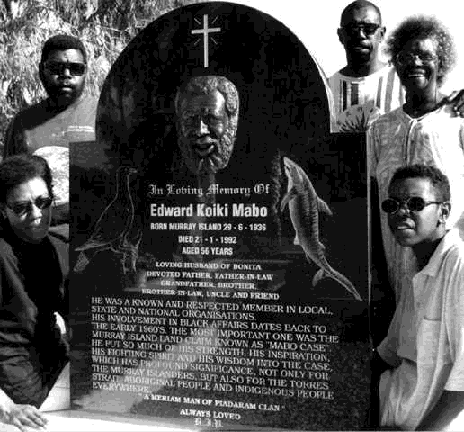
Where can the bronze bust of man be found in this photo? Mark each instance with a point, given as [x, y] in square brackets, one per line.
[207, 109]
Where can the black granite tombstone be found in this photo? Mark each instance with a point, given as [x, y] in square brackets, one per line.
[220, 254]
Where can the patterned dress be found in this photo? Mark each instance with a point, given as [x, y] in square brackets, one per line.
[396, 140]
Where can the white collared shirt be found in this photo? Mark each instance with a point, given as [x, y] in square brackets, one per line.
[426, 339]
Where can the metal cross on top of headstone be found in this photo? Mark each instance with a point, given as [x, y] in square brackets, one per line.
[206, 30]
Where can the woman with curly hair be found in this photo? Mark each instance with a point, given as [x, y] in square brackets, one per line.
[423, 131]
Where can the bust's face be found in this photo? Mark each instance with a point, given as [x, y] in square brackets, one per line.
[203, 140]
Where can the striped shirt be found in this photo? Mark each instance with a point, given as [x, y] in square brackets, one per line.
[359, 100]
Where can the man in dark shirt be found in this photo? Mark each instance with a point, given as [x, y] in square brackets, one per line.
[67, 116]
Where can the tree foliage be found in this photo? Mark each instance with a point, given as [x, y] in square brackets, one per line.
[105, 27]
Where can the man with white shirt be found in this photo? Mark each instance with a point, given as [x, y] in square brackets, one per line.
[366, 87]
[422, 385]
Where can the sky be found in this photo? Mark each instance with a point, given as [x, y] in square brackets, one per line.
[316, 22]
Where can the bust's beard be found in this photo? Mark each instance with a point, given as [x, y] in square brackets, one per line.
[211, 164]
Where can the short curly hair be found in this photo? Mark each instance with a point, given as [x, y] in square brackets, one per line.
[439, 180]
[19, 169]
[201, 85]
[424, 27]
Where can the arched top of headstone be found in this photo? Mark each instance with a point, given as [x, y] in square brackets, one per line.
[283, 101]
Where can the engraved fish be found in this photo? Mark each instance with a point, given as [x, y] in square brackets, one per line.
[304, 205]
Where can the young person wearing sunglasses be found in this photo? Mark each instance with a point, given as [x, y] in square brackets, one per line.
[422, 131]
[422, 357]
[66, 116]
[33, 269]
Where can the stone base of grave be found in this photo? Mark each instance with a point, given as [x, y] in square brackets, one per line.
[79, 421]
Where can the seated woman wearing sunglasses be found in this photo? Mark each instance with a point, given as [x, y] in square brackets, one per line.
[423, 131]
[422, 357]
[33, 269]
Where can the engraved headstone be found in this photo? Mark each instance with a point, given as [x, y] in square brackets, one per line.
[215, 282]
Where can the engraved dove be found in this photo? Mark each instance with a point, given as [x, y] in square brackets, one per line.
[111, 231]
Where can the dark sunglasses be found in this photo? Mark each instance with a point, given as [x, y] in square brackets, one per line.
[21, 208]
[58, 68]
[415, 204]
[367, 28]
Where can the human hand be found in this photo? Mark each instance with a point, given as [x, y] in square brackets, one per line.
[456, 100]
[388, 428]
[23, 416]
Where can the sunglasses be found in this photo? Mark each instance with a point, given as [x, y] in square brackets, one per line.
[367, 28]
[21, 208]
[58, 68]
[415, 204]
[403, 58]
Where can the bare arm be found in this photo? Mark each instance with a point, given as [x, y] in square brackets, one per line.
[448, 407]
[19, 415]
[456, 99]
